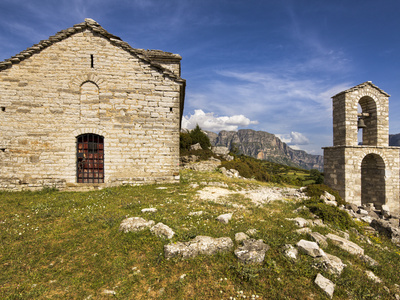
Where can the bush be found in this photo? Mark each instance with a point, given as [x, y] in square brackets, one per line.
[330, 214]
[316, 190]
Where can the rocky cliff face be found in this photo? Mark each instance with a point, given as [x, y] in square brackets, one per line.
[264, 145]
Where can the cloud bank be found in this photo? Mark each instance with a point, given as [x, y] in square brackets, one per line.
[209, 122]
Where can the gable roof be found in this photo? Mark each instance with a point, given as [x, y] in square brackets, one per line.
[149, 56]
[362, 85]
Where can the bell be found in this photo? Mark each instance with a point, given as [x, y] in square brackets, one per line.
[361, 123]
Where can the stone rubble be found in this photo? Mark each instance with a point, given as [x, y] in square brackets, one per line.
[199, 245]
[135, 224]
[162, 230]
[225, 218]
[325, 284]
[252, 251]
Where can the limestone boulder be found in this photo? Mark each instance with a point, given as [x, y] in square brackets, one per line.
[252, 251]
[225, 218]
[330, 263]
[310, 248]
[325, 284]
[241, 236]
[386, 228]
[319, 239]
[135, 224]
[300, 222]
[346, 245]
[290, 251]
[162, 230]
[199, 245]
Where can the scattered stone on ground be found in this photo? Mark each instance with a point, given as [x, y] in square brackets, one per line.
[108, 292]
[162, 230]
[386, 228]
[345, 244]
[225, 218]
[372, 276]
[328, 199]
[252, 251]
[319, 239]
[299, 222]
[196, 213]
[290, 251]
[135, 224]
[369, 261]
[325, 284]
[252, 231]
[199, 245]
[241, 236]
[151, 210]
[330, 263]
[310, 248]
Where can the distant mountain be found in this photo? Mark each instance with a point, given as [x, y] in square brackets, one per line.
[394, 139]
[266, 146]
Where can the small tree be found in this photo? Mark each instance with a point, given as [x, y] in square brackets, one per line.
[198, 136]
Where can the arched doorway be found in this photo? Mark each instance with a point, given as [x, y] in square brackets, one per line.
[90, 158]
[373, 180]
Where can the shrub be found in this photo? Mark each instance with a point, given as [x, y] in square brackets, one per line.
[198, 136]
[316, 190]
[330, 214]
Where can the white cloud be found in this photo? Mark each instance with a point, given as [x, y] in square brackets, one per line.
[294, 139]
[209, 122]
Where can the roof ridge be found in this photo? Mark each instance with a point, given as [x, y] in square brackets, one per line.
[361, 85]
[95, 27]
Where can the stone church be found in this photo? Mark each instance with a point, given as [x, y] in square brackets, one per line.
[83, 109]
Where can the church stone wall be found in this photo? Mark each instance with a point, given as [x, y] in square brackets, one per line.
[45, 104]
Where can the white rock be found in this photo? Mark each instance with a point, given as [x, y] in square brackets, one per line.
[290, 251]
[310, 248]
[252, 251]
[331, 264]
[199, 245]
[162, 230]
[385, 211]
[151, 210]
[108, 292]
[372, 276]
[366, 219]
[300, 222]
[224, 218]
[319, 239]
[325, 284]
[303, 230]
[345, 244]
[135, 224]
[252, 231]
[241, 236]
[196, 213]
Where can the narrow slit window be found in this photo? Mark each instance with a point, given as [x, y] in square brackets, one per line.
[3, 108]
[91, 61]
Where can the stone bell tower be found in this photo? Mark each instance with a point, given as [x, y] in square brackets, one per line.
[361, 165]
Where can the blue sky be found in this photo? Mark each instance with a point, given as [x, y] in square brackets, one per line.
[270, 65]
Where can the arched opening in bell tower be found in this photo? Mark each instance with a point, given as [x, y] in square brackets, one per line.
[367, 122]
[373, 189]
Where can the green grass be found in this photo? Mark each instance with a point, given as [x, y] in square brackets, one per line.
[67, 245]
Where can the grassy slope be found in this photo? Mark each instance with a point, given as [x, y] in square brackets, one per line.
[66, 245]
